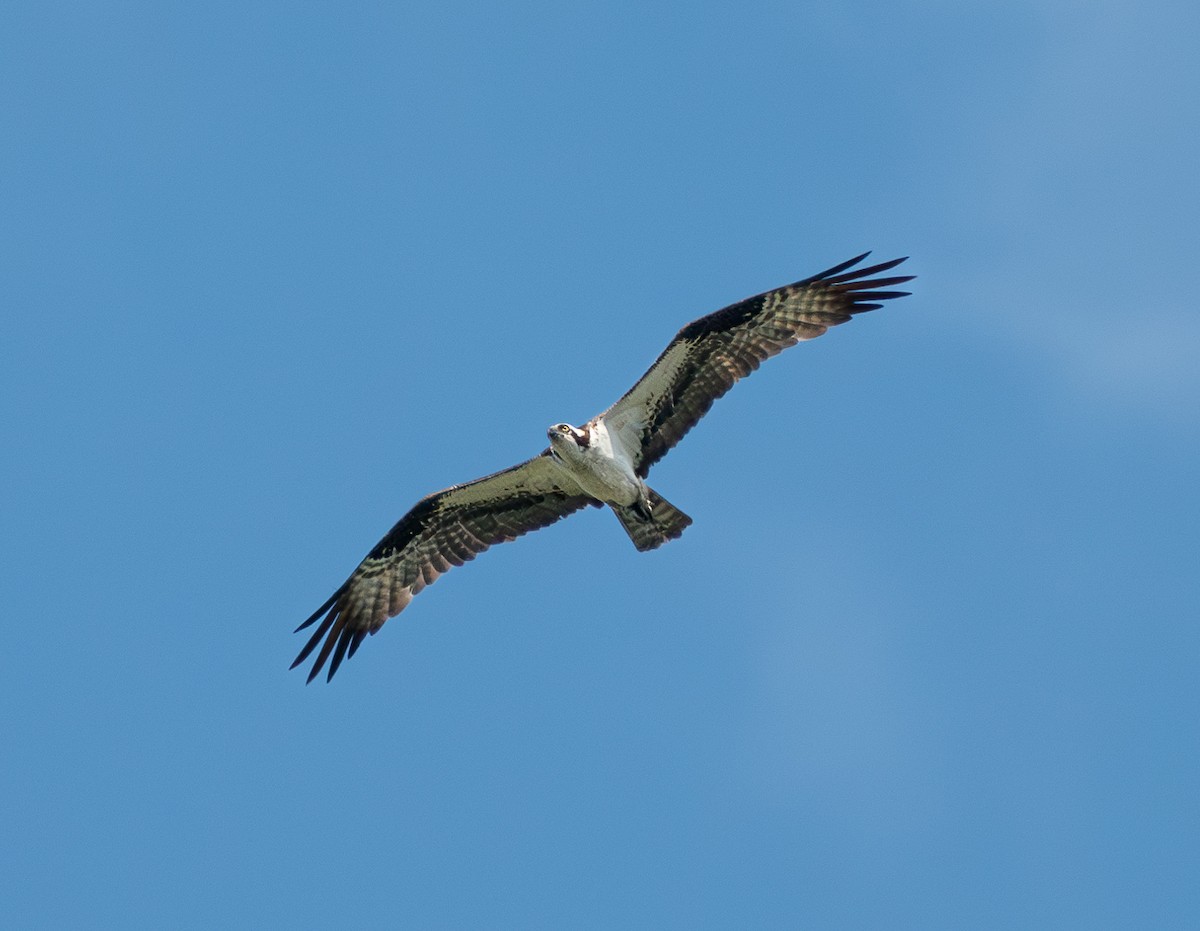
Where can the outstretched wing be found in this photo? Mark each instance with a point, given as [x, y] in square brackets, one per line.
[444, 529]
[708, 355]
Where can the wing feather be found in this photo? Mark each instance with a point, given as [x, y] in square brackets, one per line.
[443, 530]
[709, 355]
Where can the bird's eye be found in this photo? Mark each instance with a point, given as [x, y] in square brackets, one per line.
[563, 428]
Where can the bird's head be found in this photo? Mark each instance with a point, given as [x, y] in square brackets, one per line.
[564, 436]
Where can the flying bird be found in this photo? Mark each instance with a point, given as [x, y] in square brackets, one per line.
[603, 462]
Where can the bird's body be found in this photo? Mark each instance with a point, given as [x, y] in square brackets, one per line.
[602, 463]
[597, 461]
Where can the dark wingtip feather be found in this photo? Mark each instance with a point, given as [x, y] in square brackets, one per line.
[339, 653]
[321, 610]
[312, 642]
[825, 275]
[861, 289]
[854, 284]
[880, 295]
[319, 664]
[832, 276]
[882, 266]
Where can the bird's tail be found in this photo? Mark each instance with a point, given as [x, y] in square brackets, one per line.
[666, 522]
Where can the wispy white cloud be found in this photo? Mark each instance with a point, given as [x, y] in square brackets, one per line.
[1084, 199]
[1150, 360]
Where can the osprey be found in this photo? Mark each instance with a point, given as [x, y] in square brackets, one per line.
[604, 462]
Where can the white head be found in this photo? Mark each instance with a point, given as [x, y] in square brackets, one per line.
[566, 440]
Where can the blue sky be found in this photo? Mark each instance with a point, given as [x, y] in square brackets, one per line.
[927, 657]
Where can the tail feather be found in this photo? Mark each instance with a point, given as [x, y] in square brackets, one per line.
[666, 522]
